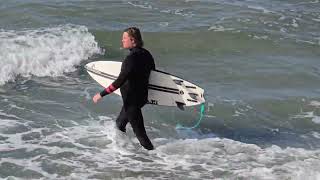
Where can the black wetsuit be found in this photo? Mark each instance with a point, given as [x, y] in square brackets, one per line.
[133, 82]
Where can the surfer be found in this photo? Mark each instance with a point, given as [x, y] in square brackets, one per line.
[133, 83]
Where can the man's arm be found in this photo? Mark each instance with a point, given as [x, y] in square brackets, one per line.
[126, 69]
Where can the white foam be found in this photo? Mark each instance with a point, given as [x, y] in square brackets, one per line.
[316, 134]
[44, 52]
[259, 37]
[311, 115]
[264, 10]
[316, 19]
[96, 148]
[145, 5]
[28, 165]
[240, 160]
[315, 104]
[304, 41]
[237, 113]
[219, 28]
[316, 119]
[164, 24]
[310, 2]
[8, 115]
[294, 23]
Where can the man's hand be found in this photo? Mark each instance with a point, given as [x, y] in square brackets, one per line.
[96, 98]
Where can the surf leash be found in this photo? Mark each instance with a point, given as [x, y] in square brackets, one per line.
[202, 109]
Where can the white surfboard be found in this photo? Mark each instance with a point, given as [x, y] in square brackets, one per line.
[164, 89]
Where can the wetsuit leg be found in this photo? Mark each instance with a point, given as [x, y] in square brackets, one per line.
[136, 120]
[122, 120]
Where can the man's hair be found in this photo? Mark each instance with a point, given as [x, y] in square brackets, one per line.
[134, 33]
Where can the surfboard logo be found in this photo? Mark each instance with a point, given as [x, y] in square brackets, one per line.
[152, 101]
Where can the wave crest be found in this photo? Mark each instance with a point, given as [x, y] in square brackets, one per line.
[44, 52]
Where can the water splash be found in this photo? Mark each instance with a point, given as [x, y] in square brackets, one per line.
[44, 52]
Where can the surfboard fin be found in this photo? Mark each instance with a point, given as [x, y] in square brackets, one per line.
[180, 105]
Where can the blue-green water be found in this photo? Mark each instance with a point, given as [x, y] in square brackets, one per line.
[257, 61]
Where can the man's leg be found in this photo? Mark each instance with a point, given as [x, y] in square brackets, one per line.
[122, 120]
[136, 120]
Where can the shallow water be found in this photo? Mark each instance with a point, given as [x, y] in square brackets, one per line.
[257, 61]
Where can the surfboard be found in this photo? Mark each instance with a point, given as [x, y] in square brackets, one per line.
[164, 89]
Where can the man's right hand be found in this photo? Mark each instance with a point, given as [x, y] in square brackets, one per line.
[96, 98]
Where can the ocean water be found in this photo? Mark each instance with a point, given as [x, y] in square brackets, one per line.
[258, 62]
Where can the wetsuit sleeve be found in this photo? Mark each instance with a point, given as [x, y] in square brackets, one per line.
[153, 65]
[126, 69]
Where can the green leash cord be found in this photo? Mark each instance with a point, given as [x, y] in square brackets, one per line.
[202, 109]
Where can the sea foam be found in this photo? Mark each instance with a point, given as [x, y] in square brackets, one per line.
[44, 52]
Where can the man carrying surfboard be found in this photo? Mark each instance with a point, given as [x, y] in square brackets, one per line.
[133, 83]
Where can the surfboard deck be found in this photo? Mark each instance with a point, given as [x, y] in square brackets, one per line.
[164, 88]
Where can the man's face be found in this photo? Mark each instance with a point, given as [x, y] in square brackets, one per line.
[127, 41]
